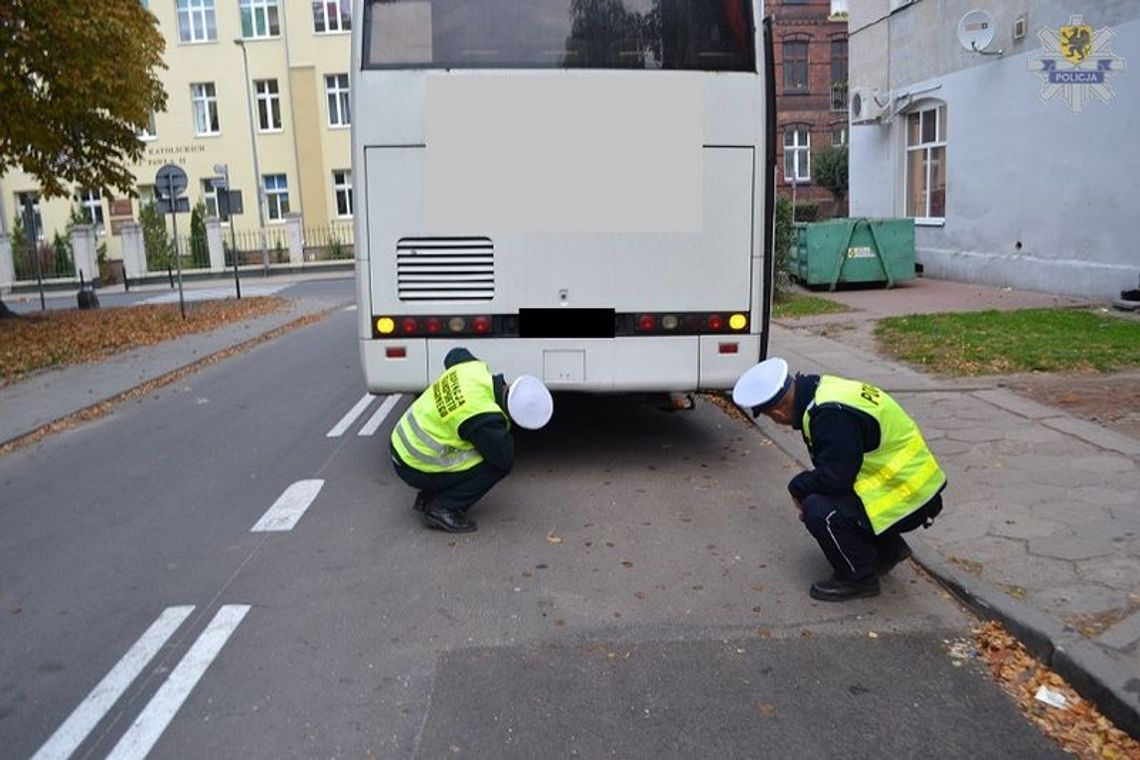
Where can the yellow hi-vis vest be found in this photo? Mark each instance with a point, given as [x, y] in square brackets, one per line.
[901, 475]
[427, 437]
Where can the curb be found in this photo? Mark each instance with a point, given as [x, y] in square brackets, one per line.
[1094, 675]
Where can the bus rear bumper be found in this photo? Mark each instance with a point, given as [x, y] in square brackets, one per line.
[603, 365]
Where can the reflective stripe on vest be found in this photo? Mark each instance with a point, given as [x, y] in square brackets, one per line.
[901, 475]
[427, 437]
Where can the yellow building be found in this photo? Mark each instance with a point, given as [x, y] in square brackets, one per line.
[282, 64]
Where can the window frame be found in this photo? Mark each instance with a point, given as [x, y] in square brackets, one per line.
[928, 150]
[195, 13]
[260, 13]
[790, 65]
[204, 103]
[343, 21]
[797, 149]
[268, 105]
[342, 189]
[276, 196]
[339, 100]
[91, 204]
[36, 211]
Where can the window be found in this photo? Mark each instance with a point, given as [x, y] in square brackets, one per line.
[148, 132]
[276, 196]
[210, 197]
[259, 18]
[839, 75]
[22, 199]
[336, 88]
[839, 135]
[332, 16]
[926, 163]
[205, 101]
[196, 21]
[797, 154]
[342, 189]
[691, 35]
[268, 105]
[796, 66]
[91, 207]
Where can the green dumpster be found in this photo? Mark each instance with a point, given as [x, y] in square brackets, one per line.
[852, 250]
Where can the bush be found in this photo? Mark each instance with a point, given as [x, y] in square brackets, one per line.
[199, 245]
[156, 240]
[807, 211]
[829, 170]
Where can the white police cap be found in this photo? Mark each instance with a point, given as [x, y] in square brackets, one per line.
[529, 402]
[762, 386]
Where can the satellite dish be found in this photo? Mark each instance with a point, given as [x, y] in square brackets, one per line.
[976, 31]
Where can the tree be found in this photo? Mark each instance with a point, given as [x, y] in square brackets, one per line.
[156, 240]
[199, 244]
[78, 80]
[829, 170]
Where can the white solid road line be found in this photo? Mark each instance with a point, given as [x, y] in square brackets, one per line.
[75, 729]
[373, 424]
[348, 419]
[289, 507]
[141, 737]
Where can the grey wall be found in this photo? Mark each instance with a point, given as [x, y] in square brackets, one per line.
[1066, 186]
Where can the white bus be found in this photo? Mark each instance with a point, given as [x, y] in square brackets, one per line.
[574, 189]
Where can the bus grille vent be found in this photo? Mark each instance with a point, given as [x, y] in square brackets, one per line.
[445, 269]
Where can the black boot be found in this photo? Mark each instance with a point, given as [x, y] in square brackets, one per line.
[838, 590]
[887, 562]
[448, 521]
[421, 502]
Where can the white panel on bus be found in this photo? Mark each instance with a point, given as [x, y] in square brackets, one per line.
[529, 154]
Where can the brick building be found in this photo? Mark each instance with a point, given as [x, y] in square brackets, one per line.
[810, 41]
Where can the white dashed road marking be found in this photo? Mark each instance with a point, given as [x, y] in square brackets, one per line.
[75, 729]
[347, 420]
[373, 424]
[289, 507]
[141, 737]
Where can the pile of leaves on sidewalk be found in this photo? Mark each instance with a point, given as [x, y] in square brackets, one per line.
[1077, 725]
[54, 338]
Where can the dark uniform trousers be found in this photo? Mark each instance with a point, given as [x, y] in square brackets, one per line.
[451, 491]
[841, 526]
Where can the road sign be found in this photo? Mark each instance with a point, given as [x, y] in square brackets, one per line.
[219, 183]
[181, 205]
[171, 181]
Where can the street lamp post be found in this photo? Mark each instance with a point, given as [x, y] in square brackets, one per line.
[256, 164]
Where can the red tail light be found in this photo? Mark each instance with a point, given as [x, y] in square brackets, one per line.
[646, 322]
[715, 322]
[481, 325]
[396, 352]
[434, 325]
[409, 325]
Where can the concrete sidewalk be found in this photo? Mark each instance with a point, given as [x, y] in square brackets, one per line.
[1042, 521]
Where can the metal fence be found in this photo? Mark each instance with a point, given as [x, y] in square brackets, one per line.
[56, 259]
[248, 246]
[328, 243]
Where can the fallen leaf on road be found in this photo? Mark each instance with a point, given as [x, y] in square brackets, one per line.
[553, 538]
[766, 710]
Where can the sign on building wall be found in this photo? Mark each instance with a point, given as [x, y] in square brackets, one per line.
[1076, 64]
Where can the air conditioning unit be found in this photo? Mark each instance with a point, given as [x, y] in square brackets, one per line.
[864, 108]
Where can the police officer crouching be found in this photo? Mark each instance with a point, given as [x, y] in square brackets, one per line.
[873, 477]
[454, 442]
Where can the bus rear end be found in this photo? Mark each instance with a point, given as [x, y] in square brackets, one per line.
[573, 190]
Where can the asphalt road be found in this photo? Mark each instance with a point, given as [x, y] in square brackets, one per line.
[637, 588]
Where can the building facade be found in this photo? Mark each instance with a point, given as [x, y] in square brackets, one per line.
[1019, 167]
[257, 88]
[810, 50]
